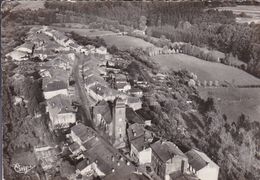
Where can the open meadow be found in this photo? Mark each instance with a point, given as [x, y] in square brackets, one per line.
[206, 70]
[122, 42]
[253, 13]
[23, 5]
[234, 101]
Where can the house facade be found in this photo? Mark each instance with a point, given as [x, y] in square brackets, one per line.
[61, 113]
[202, 166]
[167, 158]
[54, 88]
[139, 140]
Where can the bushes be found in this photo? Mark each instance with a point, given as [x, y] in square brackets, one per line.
[97, 42]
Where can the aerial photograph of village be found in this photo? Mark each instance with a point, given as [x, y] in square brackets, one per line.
[130, 90]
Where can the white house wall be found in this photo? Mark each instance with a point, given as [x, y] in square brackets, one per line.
[50, 94]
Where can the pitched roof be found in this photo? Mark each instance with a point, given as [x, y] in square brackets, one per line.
[166, 150]
[133, 117]
[83, 164]
[132, 99]
[102, 48]
[100, 89]
[135, 130]
[120, 77]
[85, 133]
[59, 35]
[103, 156]
[180, 176]
[50, 84]
[106, 157]
[104, 109]
[199, 160]
[121, 85]
[26, 45]
[59, 104]
[94, 79]
[74, 146]
[138, 136]
[135, 90]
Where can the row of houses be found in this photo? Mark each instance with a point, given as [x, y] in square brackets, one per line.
[166, 159]
[55, 74]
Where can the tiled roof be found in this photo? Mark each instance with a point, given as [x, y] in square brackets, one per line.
[138, 136]
[105, 156]
[199, 160]
[74, 146]
[85, 133]
[94, 79]
[104, 109]
[83, 164]
[139, 143]
[135, 130]
[59, 104]
[59, 35]
[135, 90]
[120, 77]
[131, 99]
[100, 89]
[121, 85]
[53, 84]
[133, 117]
[166, 150]
[180, 176]
[26, 45]
[102, 48]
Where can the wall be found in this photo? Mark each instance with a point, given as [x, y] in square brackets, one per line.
[208, 173]
[64, 119]
[145, 156]
[175, 164]
[50, 94]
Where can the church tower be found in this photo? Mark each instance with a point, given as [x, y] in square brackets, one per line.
[119, 123]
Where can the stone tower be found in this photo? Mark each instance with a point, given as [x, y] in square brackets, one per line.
[119, 123]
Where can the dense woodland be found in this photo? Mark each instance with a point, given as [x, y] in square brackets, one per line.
[191, 22]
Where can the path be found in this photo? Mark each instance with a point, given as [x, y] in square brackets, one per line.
[82, 93]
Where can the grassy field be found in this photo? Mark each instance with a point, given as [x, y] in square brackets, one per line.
[33, 5]
[126, 42]
[252, 11]
[234, 101]
[111, 38]
[206, 70]
[85, 32]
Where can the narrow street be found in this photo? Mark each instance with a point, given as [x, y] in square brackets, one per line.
[82, 93]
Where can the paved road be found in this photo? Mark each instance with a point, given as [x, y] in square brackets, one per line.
[82, 93]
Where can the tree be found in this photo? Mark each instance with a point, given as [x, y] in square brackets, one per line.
[66, 169]
[142, 23]
[113, 49]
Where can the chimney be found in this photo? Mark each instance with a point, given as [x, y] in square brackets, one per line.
[113, 158]
[118, 163]
[113, 170]
[127, 163]
[121, 158]
[134, 133]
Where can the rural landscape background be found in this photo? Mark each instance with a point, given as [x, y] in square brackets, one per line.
[218, 42]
